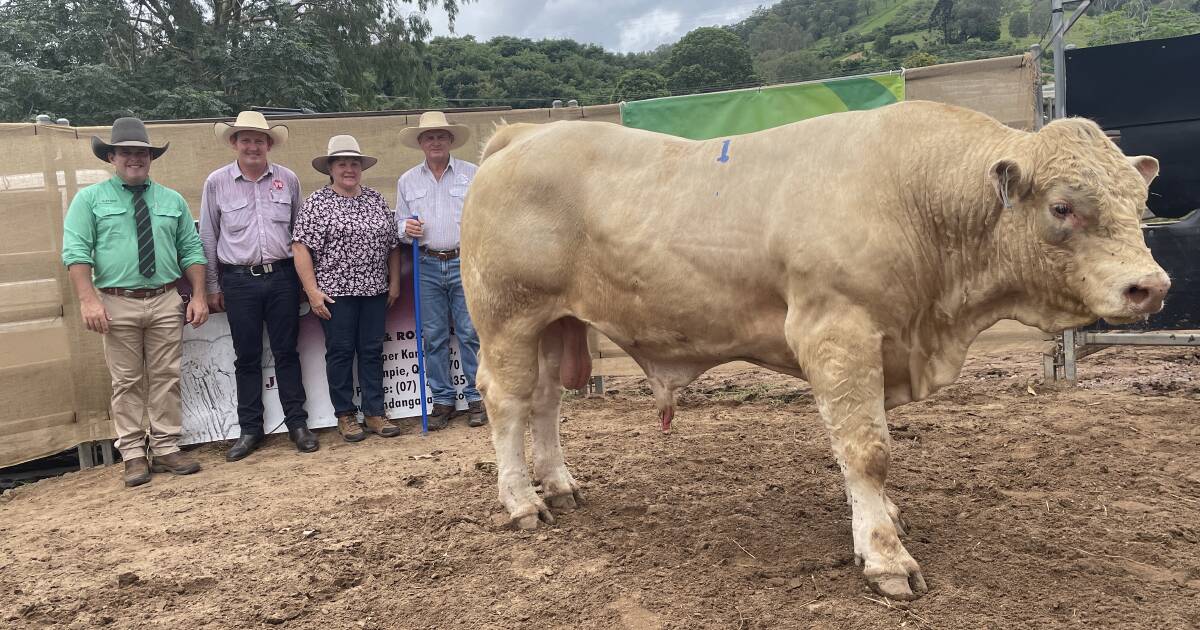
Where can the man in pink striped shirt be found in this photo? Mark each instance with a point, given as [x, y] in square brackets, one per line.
[246, 215]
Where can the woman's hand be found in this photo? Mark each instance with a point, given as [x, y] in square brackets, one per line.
[393, 293]
[317, 300]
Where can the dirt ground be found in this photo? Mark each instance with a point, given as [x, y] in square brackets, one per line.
[1030, 508]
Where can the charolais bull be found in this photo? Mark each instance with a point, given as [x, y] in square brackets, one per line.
[861, 251]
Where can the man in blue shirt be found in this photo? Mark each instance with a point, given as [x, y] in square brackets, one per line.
[433, 191]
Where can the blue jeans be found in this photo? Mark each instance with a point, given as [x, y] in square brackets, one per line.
[443, 304]
[355, 326]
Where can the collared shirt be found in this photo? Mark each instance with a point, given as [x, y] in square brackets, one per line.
[350, 239]
[244, 222]
[438, 203]
[99, 230]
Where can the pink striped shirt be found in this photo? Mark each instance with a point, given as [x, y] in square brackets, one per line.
[245, 222]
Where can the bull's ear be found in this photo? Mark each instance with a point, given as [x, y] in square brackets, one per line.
[1009, 181]
[1145, 165]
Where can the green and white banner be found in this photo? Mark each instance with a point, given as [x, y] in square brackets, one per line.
[717, 114]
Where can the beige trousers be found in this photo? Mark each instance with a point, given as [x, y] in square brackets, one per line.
[143, 349]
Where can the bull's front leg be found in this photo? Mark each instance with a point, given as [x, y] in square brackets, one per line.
[842, 360]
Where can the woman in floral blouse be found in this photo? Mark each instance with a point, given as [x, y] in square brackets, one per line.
[346, 250]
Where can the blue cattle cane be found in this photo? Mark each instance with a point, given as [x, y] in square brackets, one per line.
[416, 253]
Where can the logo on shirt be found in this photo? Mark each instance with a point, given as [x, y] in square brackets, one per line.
[277, 184]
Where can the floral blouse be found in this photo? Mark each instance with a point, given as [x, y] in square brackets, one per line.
[350, 239]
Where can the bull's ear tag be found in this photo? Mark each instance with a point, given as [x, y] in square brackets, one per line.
[724, 152]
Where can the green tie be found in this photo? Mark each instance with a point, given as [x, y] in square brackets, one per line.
[145, 232]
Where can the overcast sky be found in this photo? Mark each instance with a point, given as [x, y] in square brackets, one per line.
[617, 25]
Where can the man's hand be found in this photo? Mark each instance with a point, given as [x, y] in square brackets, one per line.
[197, 311]
[317, 300]
[216, 302]
[414, 228]
[94, 316]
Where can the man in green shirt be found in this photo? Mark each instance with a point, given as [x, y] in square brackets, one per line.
[125, 242]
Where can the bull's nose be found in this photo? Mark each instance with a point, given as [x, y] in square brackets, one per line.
[1146, 295]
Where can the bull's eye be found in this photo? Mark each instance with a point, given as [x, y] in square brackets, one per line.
[1061, 210]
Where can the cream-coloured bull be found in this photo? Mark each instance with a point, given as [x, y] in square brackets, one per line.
[861, 251]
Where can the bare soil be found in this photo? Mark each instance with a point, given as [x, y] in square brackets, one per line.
[1031, 507]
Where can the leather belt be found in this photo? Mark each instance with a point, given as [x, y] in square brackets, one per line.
[258, 270]
[440, 254]
[139, 293]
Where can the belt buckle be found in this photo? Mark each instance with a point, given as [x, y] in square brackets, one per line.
[262, 270]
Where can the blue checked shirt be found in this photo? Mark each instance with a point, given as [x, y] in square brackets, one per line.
[438, 203]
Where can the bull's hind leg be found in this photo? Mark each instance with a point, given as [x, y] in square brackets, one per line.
[559, 488]
[508, 376]
[843, 364]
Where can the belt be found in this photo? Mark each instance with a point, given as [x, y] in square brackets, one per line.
[258, 270]
[139, 293]
[440, 254]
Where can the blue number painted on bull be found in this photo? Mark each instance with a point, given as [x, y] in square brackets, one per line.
[724, 152]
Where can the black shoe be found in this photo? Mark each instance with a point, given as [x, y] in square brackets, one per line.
[305, 440]
[440, 416]
[246, 444]
[476, 414]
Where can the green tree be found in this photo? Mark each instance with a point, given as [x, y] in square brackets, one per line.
[708, 58]
[1117, 27]
[799, 65]
[941, 18]
[919, 59]
[174, 58]
[773, 33]
[882, 43]
[640, 84]
[1018, 24]
[978, 19]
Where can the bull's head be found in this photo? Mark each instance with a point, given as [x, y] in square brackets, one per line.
[1080, 200]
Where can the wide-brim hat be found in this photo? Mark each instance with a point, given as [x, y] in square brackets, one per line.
[342, 146]
[127, 132]
[251, 121]
[430, 121]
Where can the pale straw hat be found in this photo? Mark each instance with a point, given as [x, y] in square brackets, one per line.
[430, 121]
[251, 121]
[342, 146]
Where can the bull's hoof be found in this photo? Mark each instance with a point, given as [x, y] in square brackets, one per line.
[561, 502]
[900, 587]
[528, 518]
[566, 500]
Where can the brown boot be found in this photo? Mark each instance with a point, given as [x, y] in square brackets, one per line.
[381, 427]
[439, 416]
[350, 429]
[176, 463]
[476, 414]
[137, 472]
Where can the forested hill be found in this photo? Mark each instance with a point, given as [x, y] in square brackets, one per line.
[96, 60]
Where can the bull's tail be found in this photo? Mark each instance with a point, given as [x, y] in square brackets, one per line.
[503, 135]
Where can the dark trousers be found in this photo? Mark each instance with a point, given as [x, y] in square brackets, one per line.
[355, 326]
[251, 301]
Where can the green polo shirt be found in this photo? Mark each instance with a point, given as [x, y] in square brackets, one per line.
[99, 231]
